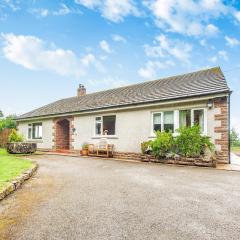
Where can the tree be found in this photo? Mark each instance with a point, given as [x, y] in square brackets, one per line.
[234, 138]
[8, 122]
[1, 114]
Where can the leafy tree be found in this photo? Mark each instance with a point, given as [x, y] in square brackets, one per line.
[234, 138]
[8, 122]
[1, 114]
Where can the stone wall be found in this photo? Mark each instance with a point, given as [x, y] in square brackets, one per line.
[201, 161]
[222, 129]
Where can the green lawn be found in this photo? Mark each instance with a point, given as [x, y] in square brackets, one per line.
[235, 149]
[11, 166]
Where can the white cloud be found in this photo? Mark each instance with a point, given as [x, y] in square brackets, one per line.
[187, 16]
[164, 47]
[153, 51]
[211, 30]
[232, 41]
[40, 12]
[61, 11]
[237, 15]
[114, 11]
[203, 42]
[151, 68]
[89, 3]
[223, 54]
[220, 55]
[118, 38]
[105, 46]
[33, 53]
[13, 5]
[107, 82]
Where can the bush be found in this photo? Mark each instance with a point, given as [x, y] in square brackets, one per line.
[15, 136]
[146, 147]
[190, 142]
[163, 144]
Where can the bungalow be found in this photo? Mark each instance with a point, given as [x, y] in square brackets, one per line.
[130, 115]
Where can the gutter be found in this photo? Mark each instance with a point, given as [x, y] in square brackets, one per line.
[128, 106]
[229, 127]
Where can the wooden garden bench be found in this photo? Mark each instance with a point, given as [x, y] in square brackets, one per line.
[102, 149]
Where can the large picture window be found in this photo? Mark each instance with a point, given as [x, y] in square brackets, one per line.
[169, 121]
[105, 125]
[35, 131]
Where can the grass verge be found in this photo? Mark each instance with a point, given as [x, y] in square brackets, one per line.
[11, 166]
[235, 149]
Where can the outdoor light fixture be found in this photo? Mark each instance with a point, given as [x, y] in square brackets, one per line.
[73, 130]
[210, 104]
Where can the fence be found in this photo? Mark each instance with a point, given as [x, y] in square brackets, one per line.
[4, 137]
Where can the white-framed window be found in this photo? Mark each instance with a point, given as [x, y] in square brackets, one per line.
[163, 121]
[185, 118]
[35, 131]
[190, 117]
[105, 125]
[198, 116]
[172, 120]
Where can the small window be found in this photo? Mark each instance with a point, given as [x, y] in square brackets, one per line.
[198, 118]
[168, 121]
[185, 118]
[105, 125]
[35, 131]
[157, 119]
[98, 126]
[29, 131]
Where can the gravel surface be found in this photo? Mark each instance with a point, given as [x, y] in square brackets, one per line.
[81, 198]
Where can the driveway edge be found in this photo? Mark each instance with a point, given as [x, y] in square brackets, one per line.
[18, 181]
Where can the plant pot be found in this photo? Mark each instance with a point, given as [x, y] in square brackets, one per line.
[84, 152]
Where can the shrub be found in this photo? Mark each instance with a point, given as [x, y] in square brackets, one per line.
[190, 142]
[15, 136]
[146, 147]
[163, 144]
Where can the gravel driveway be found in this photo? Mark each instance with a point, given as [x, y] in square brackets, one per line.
[81, 198]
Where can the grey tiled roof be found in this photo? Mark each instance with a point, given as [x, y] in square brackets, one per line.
[204, 82]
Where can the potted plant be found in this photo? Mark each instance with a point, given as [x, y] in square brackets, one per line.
[84, 151]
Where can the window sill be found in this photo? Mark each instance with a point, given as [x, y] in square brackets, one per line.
[35, 140]
[105, 136]
[152, 137]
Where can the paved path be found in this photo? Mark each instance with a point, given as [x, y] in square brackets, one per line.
[74, 198]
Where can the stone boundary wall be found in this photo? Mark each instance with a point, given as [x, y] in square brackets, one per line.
[17, 182]
[202, 162]
[222, 130]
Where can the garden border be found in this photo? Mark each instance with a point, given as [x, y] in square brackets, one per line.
[18, 181]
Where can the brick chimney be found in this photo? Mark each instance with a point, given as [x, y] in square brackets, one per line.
[81, 91]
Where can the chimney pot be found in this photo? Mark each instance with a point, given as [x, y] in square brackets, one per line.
[81, 91]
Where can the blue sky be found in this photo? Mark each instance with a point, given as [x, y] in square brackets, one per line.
[49, 47]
